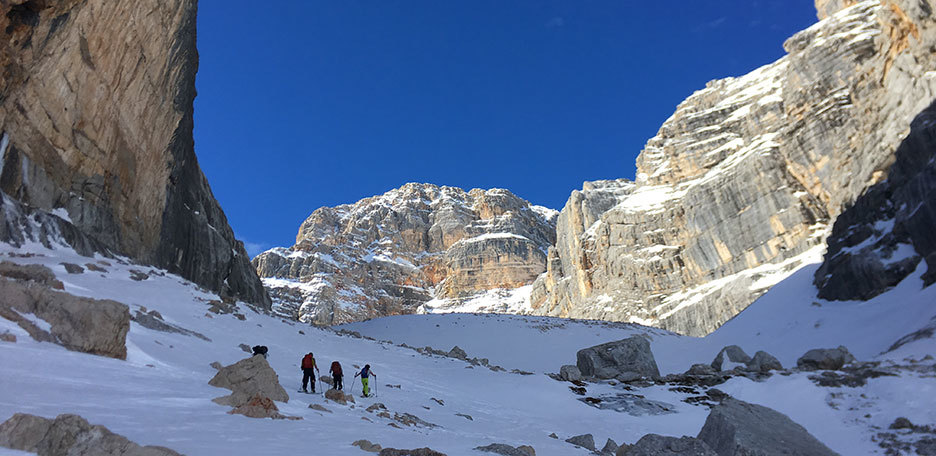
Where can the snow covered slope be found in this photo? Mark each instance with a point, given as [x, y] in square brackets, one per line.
[160, 394]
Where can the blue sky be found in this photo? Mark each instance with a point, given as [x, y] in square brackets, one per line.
[318, 103]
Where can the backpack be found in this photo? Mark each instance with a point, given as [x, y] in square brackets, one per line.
[336, 368]
[365, 372]
[308, 362]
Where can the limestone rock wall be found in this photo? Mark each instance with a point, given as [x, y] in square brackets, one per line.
[96, 117]
[392, 253]
[742, 182]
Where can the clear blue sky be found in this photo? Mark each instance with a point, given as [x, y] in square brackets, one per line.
[303, 104]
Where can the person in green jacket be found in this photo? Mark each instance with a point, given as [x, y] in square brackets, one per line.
[365, 373]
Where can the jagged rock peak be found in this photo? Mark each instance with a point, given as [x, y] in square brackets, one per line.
[740, 185]
[394, 253]
[118, 170]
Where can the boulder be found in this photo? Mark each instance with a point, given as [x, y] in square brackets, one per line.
[72, 268]
[69, 435]
[30, 273]
[414, 452]
[319, 408]
[81, 324]
[507, 450]
[7, 336]
[261, 407]
[658, 445]
[367, 446]
[584, 441]
[610, 448]
[764, 362]
[701, 370]
[338, 396]
[739, 428]
[734, 354]
[570, 373]
[609, 360]
[825, 359]
[457, 352]
[247, 378]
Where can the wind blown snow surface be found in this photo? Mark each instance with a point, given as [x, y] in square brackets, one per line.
[160, 394]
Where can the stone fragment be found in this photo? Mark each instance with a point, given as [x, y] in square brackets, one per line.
[338, 396]
[319, 408]
[764, 362]
[505, 450]
[246, 379]
[657, 445]
[585, 441]
[609, 360]
[738, 428]
[825, 359]
[733, 354]
[366, 445]
[413, 452]
[570, 373]
[72, 268]
[610, 448]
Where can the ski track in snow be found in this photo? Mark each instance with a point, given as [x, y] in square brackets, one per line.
[160, 394]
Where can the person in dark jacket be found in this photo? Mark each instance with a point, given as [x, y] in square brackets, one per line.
[308, 371]
[365, 373]
[337, 375]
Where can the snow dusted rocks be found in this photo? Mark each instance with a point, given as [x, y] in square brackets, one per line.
[825, 359]
[740, 185]
[882, 239]
[658, 445]
[114, 173]
[394, 253]
[734, 354]
[625, 360]
[81, 324]
[736, 428]
[69, 435]
[248, 379]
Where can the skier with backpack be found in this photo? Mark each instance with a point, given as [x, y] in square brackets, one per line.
[308, 371]
[337, 375]
[365, 373]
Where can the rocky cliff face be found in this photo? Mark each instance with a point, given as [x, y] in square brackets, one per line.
[742, 182]
[96, 113]
[392, 253]
[880, 240]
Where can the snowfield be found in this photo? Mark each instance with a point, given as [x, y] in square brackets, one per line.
[160, 394]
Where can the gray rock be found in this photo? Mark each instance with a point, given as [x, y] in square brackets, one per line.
[735, 202]
[585, 441]
[610, 448]
[764, 362]
[457, 352]
[609, 360]
[733, 353]
[413, 452]
[30, 273]
[658, 445]
[340, 397]
[825, 359]
[153, 320]
[738, 428]
[701, 370]
[503, 449]
[72, 268]
[320, 409]
[69, 435]
[570, 373]
[367, 446]
[246, 379]
[81, 324]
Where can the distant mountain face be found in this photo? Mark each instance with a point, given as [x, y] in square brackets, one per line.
[97, 151]
[742, 183]
[392, 253]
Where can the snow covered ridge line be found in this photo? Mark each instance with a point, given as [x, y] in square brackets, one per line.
[407, 247]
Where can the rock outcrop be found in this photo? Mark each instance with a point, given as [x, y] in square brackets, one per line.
[392, 253]
[885, 235]
[625, 360]
[825, 359]
[247, 379]
[658, 445]
[741, 184]
[81, 324]
[738, 428]
[69, 435]
[96, 148]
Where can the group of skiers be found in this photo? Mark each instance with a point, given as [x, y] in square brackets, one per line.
[310, 368]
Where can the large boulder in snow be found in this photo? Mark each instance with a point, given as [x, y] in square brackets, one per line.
[825, 359]
[658, 445]
[413, 452]
[629, 357]
[739, 428]
[81, 324]
[734, 354]
[570, 373]
[764, 362]
[69, 435]
[584, 441]
[247, 378]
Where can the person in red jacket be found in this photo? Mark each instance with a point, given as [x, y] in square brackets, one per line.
[308, 371]
[337, 375]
